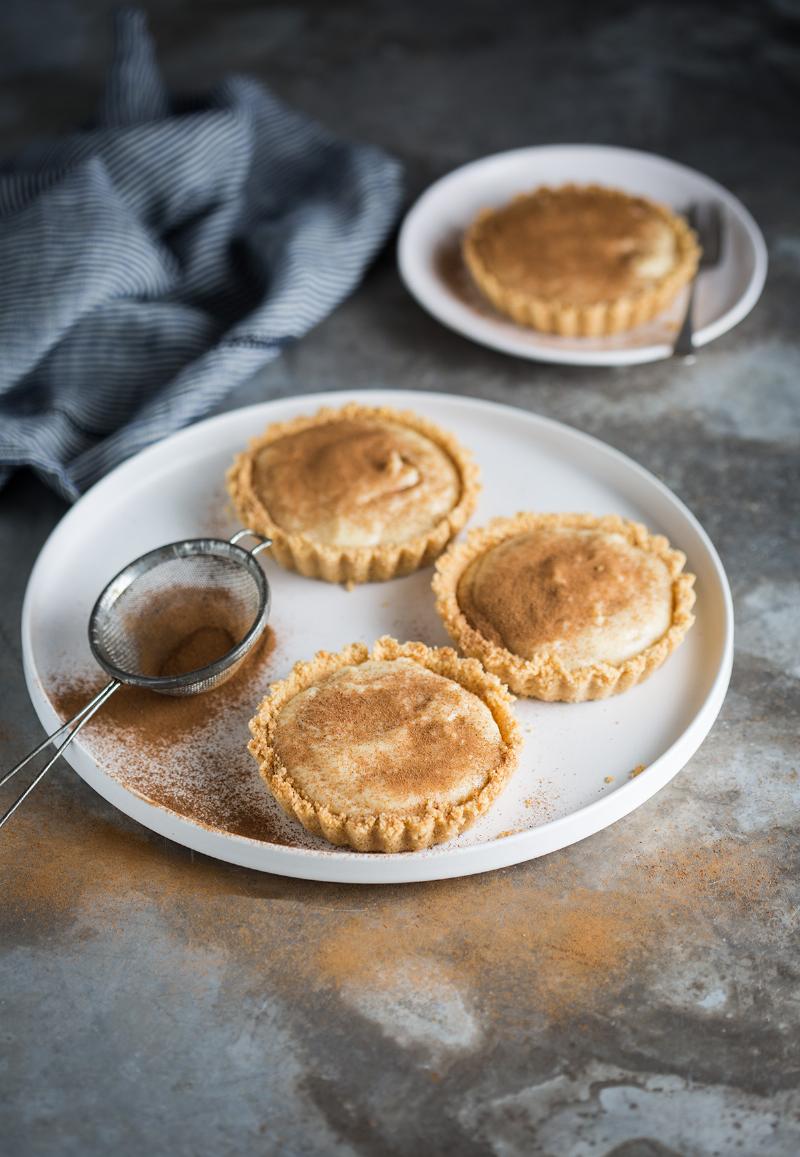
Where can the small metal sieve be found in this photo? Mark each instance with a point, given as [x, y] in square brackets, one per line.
[141, 602]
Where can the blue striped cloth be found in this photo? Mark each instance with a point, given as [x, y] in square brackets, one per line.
[153, 262]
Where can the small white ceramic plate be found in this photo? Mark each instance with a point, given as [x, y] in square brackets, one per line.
[558, 795]
[431, 266]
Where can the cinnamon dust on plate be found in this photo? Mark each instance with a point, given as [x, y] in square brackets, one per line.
[187, 754]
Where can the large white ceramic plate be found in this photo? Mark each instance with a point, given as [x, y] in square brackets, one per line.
[559, 794]
[430, 264]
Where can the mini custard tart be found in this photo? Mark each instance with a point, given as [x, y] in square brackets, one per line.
[565, 606]
[388, 750]
[580, 260]
[358, 494]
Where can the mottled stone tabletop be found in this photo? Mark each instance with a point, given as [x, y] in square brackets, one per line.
[635, 994]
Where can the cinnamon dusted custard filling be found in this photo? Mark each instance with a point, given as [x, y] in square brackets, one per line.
[565, 606]
[583, 596]
[577, 245]
[356, 483]
[386, 750]
[580, 260]
[387, 737]
[357, 494]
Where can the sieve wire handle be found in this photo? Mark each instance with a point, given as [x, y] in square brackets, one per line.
[264, 543]
[78, 719]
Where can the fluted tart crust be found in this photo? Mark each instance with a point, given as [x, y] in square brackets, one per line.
[580, 260]
[392, 749]
[565, 606]
[356, 494]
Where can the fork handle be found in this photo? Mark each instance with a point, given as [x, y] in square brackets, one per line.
[684, 343]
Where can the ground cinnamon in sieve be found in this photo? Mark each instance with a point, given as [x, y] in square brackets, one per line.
[185, 628]
[203, 646]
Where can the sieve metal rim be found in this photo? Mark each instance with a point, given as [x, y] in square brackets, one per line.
[184, 548]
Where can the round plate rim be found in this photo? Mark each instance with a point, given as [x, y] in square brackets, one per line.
[638, 355]
[403, 867]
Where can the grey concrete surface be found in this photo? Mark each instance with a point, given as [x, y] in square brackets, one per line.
[634, 995]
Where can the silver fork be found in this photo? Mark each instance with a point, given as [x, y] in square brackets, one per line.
[705, 217]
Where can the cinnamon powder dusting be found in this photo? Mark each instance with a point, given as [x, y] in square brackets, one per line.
[200, 648]
[388, 735]
[353, 481]
[575, 244]
[184, 628]
[188, 754]
[540, 941]
[551, 585]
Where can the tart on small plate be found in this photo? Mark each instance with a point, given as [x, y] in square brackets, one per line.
[357, 494]
[580, 260]
[565, 606]
[389, 750]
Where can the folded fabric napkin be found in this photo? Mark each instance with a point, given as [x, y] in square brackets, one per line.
[152, 263]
